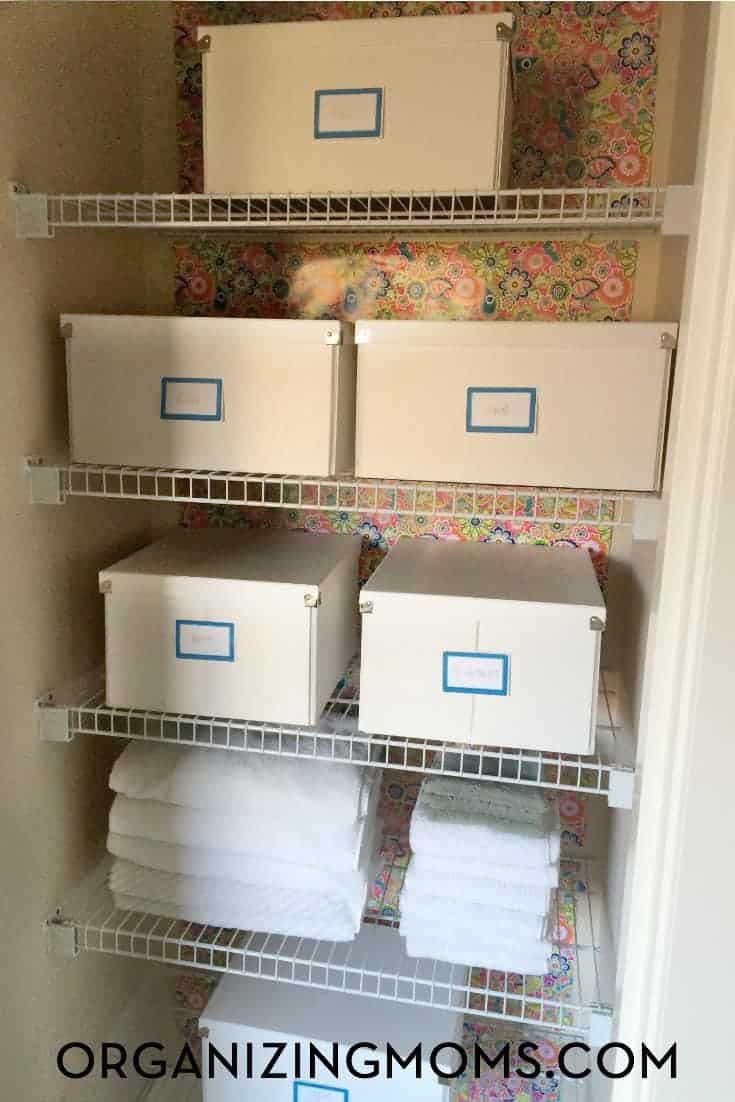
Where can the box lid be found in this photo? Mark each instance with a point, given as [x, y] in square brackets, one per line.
[517, 334]
[264, 555]
[494, 571]
[289, 331]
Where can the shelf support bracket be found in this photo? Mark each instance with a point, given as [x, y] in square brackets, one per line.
[621, 787]
[680, 209]
[61, 937]
[46, 482]
[51, 721]
[601, 1022]
[31, 212]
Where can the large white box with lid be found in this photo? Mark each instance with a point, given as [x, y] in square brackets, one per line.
[571, 404]
[250, 624]
[259, 1012]
[211, 393]
[357, 105]
[483, 643]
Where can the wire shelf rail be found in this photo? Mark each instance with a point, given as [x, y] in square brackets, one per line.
[52, 484]
[39, 214]
[376, 963]
[607, 772]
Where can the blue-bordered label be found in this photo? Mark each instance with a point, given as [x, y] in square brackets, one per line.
[185, 399]
[501, 409]
[315, 1092]
[205, 640]
[348, 113]
[475, 672]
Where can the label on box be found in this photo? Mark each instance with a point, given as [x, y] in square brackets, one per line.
[348, 112]
[315, 1092]
[206, 640]
[501, 409]
[191, 399]
[475, 672]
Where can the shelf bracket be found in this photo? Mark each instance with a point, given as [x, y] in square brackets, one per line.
[46, 482]
[601, 1022]
[61, 937]
[621, 788]
[680, 209]
[31, 212]
[51, 721]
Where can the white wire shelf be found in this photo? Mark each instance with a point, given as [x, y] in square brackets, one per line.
[576, 1000]
[39, 214]
[52, 484]
[80, 709]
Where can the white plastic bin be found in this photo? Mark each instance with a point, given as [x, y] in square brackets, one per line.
[357, 105]
[259, 1013]
[482, 643]
[211, 393]
[254, 625]
[570, 404]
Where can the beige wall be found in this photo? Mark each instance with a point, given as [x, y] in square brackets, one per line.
[72, 115]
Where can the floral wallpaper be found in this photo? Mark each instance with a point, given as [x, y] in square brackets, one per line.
[587, 279]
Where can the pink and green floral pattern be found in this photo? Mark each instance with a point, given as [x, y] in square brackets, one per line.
[590, 279]
[585, 80]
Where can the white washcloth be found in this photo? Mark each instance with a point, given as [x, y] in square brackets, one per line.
[212, 902]
[249, 784]
[257, 836]
[445, 870]
[433, 895]
[472, 923]
[525, 958]
[498, 826]
[266, 871]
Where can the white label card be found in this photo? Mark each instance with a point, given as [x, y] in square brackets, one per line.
[466, 672]
[191, 399]
[501, 409]
[206, 640]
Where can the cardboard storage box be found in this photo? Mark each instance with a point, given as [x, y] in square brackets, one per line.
[482, 643]
[237, 394]
[570, 404]
[357, 105]
[261, 1012]
[249, 624]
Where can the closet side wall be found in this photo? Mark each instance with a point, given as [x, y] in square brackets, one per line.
[71, 115]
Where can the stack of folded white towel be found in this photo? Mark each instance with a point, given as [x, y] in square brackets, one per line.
[479, 888]
[234, 839]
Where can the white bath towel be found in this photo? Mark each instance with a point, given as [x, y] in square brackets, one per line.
[473, 923]
[427, 892]
[334, 917]
[267, 871]
[498, 825]
[245, 783]
[444, 870]
[313, 843]
[526, 958]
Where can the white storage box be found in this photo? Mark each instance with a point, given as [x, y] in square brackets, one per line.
[357, 105]
[482, 643]
[211, 393]
[569, 404]
[254, 625]
[261, 1012]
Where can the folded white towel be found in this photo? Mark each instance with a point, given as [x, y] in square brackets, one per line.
[445, 870]
[267, 871]
[445, 825]
[248, 784]
[312, 843]
[472, 923]
[427, 892]
[212, 902]
[514, 956]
